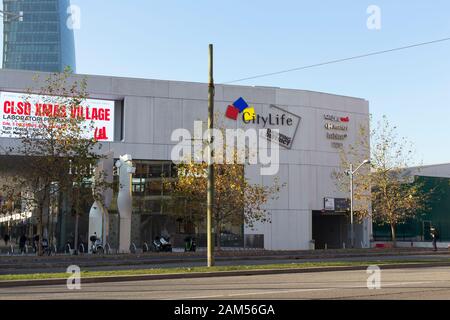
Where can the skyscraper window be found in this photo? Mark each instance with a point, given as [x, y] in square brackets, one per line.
[41, 41]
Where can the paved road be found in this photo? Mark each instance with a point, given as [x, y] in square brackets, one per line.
[219, 262]
[420, 283]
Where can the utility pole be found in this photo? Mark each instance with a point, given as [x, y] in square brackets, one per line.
[351, 173]
[210, 187]
[352, 228]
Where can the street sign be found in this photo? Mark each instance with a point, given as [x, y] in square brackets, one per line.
[341, 204]
[329, 204]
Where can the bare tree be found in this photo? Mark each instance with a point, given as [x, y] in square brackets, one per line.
[394, 194]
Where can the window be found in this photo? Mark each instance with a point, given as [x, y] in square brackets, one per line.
[147, 185]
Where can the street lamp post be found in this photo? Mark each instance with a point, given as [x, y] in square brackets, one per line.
[351, 173]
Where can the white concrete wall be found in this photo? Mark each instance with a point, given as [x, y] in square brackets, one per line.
[154, 108]
[437, 170]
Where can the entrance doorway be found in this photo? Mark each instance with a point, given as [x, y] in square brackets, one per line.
[329, 229]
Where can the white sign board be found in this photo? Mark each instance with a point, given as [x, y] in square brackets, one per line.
[19, 111]
[282, 120]
[329, 204]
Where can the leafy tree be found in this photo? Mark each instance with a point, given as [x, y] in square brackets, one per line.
[236, 200]
[56, 156]
[395, 195]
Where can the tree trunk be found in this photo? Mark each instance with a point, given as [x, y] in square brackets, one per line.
[49, 228]
[76, 210]
[39, 232]
[393, 235]
[75, 240]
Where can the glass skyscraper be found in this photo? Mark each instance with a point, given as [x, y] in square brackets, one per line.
[42, 41]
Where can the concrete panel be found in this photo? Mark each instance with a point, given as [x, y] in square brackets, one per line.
[292, 97]
[308, 187]
[327, 186]
[264, 228]
[357, 105]
[167, 118]
[252, 173]
[305, 228]
[140, 87]
[20, 80]
[305, 138]
[100, 85]
[138, 120]
[295, 156]
[283, 197]
[194, 110]
[264, 95]
[328, 101]
[290, 230]
[188, 90]
[141, 151]
[440, 170]
[323, 158]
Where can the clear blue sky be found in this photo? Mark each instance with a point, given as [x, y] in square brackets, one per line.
[167, 39]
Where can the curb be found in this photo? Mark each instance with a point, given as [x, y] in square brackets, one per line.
[124, 278]
[162, 260]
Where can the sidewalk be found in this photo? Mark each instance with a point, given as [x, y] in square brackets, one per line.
[151, 258]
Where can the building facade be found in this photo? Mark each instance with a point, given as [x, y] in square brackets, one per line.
[42, 40]
[309, 207]
[435, 181]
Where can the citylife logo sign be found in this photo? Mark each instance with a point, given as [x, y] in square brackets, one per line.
[228, 147]
[337, 128]
[280, 125]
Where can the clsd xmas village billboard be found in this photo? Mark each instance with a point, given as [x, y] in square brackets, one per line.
[19, 111]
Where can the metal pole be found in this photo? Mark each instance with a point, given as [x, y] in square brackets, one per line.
[351, 207]
[210, 187]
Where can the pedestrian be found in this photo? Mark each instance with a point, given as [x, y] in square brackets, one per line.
[22, 242]
[36, 243]
[6, 239]
[434, 236]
